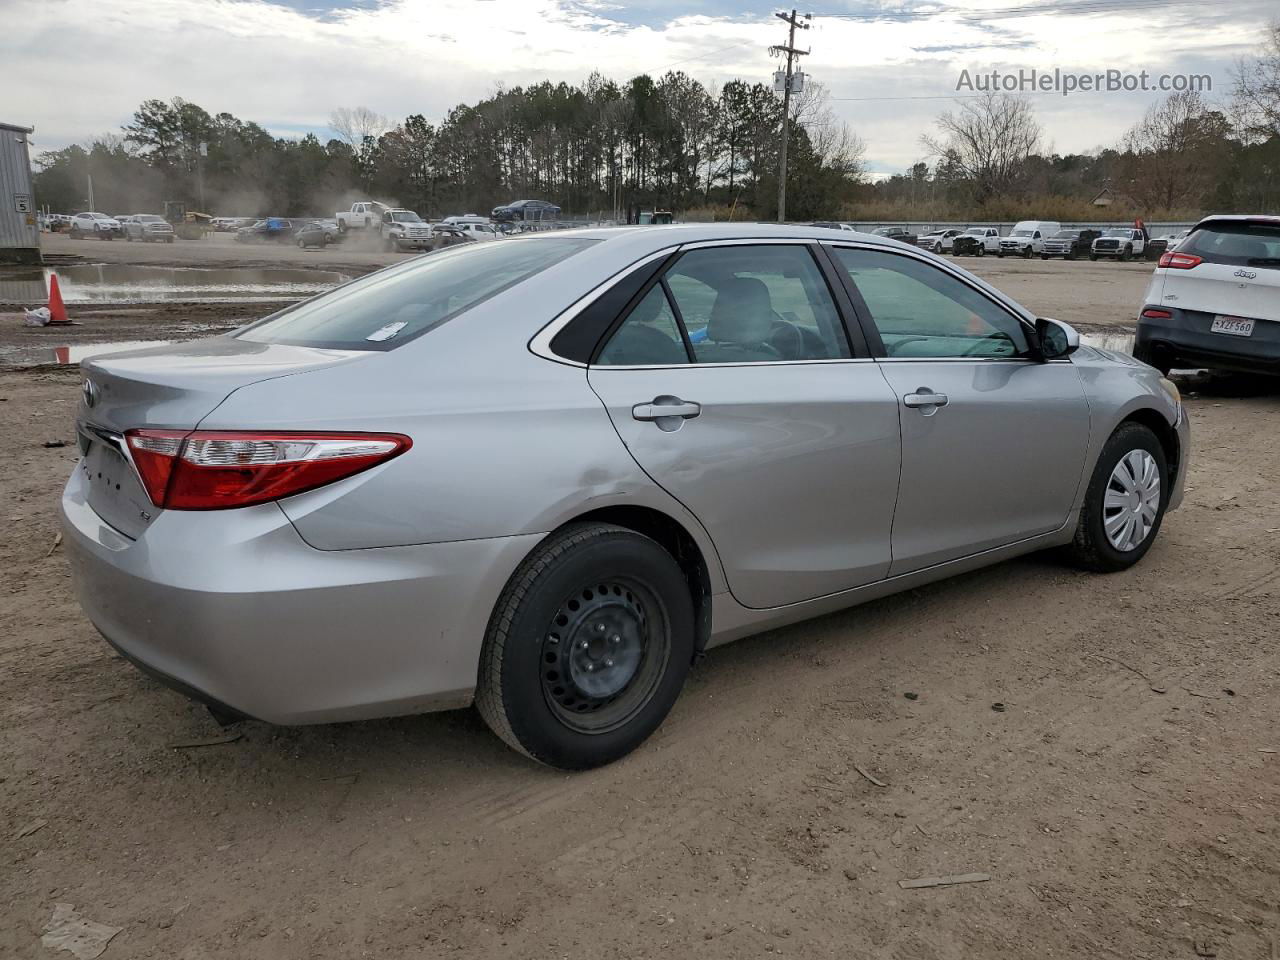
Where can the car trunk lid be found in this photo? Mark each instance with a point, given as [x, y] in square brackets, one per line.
[170, 387]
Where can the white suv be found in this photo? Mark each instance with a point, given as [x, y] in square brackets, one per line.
[1215, 301]
[95, 225]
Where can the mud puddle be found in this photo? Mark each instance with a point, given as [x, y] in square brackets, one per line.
[136, 283]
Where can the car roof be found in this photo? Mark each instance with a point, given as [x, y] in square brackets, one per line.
[1261, 218]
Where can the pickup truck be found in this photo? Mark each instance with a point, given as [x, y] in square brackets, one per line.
[976, 242]
[938, 241]
[1122, 243]
[361, 216]
[895, 233]
[405, 230]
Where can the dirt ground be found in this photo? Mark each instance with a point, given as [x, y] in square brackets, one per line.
[1123, 801]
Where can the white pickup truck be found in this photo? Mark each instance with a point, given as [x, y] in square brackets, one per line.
[361, 216]
[1123, 243]
[405, 230]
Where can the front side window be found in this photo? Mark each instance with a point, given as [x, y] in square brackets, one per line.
[922, 312]
[387, 308]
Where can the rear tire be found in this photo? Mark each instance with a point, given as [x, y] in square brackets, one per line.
[587, 647]
[1093, 548]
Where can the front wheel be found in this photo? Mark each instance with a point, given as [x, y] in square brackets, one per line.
[1093, 257]
[1125, 254]
[1125, 502]
[1026, 253]
[1044, 256]
[587, 647]
[980, 251]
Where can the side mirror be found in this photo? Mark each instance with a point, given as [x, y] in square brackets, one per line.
[1057, 339]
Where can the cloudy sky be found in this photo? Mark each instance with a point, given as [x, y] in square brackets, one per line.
[77, 68]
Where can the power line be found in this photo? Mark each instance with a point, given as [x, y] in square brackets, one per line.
[711, 53]
[1053, 7]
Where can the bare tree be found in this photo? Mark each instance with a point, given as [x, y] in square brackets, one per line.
[834, 142]
[356, 125]
[1173, 151]
[988, 142]
[1256, 96]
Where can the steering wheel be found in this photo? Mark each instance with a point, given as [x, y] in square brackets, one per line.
[998, 335]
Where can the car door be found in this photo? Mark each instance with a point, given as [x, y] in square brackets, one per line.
[993, 439]
[733, 384]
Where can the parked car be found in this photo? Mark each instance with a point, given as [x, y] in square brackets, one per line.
[938, 241]
[148, 226]
[1069, 244]
[526, 210]
[269, 230]
[461, 478]
[895, 233]
[976, 242]
[477, 231]
[95, 225]
[830, 225]
[1119, 243]
[447, 235]
[312, 234]
[1027, 238]
[1215, 301]
[1173, 239]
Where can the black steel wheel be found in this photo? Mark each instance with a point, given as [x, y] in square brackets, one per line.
[587, 647]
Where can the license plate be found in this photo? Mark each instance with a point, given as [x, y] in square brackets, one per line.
[1235, 326]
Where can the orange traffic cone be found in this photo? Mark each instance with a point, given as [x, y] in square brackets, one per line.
[62, 354]
[57, 310]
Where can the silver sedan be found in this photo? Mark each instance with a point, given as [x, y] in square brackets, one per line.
[546, 475]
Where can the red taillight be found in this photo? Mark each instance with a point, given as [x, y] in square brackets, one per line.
[1157, 314]
[214, 469]
[1180, 261]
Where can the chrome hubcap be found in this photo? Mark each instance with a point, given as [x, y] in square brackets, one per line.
[1132, 500]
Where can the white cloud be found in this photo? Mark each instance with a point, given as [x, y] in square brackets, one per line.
[76, 68]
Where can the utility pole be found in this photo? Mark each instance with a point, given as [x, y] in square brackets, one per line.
[792, 53]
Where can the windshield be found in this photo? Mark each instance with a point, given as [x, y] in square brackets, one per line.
[1021, 233]
[1239, 244]
[1116, 232]
[1065, 235]
[385, 309]
[149, 218]
[975, 232]
[407, 216]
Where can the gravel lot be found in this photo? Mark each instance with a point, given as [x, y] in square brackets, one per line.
[1113, 820]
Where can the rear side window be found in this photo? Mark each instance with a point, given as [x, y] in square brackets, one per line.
[387, 308]
[1239, 244]
[739, 303]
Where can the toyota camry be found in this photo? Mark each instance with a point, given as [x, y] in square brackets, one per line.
[544, 476]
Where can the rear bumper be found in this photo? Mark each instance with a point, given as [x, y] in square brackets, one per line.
[1184, 340]
[235, 609]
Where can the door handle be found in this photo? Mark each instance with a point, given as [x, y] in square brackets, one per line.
[924, 397]
[662, 407]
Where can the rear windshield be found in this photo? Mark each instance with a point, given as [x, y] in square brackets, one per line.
[1241, 244]
[387, 308]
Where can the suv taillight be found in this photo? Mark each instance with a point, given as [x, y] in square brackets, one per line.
[1179, 261]
[215, 469]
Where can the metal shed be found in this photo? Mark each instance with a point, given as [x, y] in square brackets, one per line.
[19, 231]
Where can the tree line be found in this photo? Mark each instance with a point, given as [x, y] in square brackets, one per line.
[602, 147]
